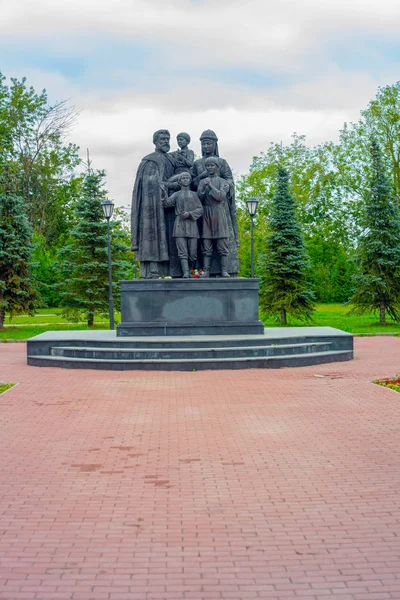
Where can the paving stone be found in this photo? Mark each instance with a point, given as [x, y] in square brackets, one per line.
[214, 484]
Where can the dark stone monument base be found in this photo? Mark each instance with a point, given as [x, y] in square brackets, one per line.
[275, 348]
[212, 306]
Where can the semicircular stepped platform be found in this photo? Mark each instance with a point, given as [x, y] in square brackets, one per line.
[273, 349]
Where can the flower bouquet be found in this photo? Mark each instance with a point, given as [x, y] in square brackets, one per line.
[197, 273]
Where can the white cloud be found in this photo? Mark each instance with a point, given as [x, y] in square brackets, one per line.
[291, 38]
[117, 126]
[119, 132]
[273, 34]
[118, 143]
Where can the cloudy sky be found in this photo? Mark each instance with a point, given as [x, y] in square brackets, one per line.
[255, 71]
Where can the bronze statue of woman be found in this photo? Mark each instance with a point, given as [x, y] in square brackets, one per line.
[209, 147]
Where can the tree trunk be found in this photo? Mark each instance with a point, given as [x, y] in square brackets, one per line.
[283, 317]
[382, 313]
[90, 320]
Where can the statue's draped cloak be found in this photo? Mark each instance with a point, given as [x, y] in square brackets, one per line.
[148, 222]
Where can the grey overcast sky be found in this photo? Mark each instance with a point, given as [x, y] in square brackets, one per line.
[255, 71]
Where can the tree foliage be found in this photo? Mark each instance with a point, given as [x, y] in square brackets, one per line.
[46, 272]
[83, 262]
[323, 210]
[381, 120]
[331, 186]
[32, 134]
[330, 182]
[17, 293]
[285, 288]
[331, 268]
[377, 284]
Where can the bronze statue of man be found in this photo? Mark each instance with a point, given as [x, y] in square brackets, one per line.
[148, 226]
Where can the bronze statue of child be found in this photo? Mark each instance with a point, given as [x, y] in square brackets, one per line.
[188, 209]
[213, 192]
[184, 156]
[184, 159]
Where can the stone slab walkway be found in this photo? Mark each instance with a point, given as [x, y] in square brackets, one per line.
[207, 485]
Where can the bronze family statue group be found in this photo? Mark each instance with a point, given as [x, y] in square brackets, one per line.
[184, 212]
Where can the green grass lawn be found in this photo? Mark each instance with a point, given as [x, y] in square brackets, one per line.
[336, 315]
[24, 327]
[333, 315]
[5, 386]
[47, 316]
[27, 331]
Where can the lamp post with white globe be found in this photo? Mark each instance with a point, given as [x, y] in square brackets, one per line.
[252, 204]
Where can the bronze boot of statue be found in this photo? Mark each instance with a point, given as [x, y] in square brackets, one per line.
[185, 267]
[206, 266]
[224, 266]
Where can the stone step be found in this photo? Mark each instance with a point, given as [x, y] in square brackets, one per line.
[207, 341]
[195, 364]
[95, 352]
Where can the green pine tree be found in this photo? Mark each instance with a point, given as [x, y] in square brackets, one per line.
[17, 293]
[84, 261]
[377, 285]
[284, 269]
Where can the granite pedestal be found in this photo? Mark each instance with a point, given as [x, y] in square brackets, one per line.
[212, 306]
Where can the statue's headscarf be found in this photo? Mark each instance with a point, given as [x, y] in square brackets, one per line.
[209, 134]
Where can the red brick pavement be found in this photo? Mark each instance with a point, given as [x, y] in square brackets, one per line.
[208, 485]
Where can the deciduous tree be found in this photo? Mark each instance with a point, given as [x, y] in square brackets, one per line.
[324, 213]
[33, 137]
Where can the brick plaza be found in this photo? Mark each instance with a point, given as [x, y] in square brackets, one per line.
[213, 485]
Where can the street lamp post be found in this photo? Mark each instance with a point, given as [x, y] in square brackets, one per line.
[108, 209]
[252, 204]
